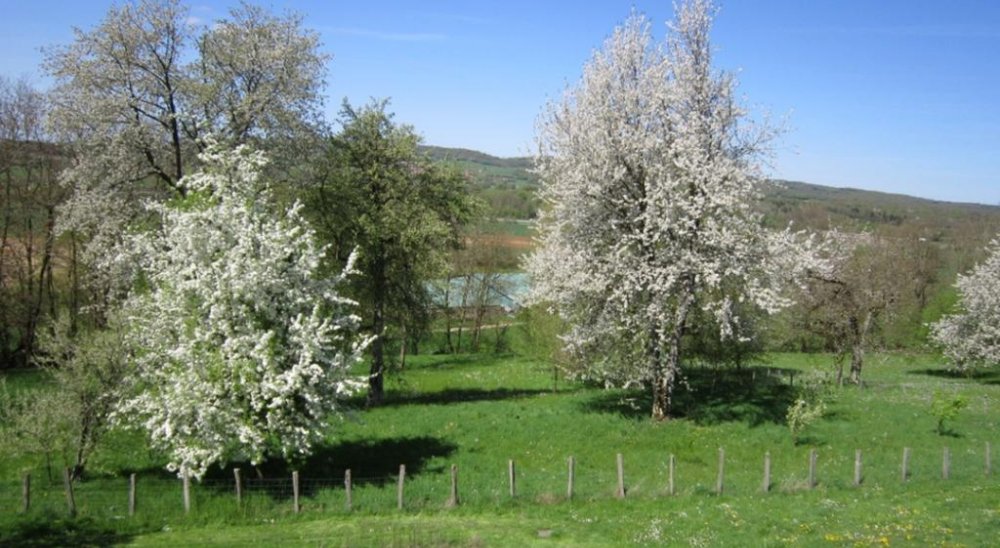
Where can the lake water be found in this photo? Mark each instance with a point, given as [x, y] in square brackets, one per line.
[513, 289]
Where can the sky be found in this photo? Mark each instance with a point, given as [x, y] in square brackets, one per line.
[893, 95]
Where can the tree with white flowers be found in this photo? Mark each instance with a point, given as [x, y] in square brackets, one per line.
[649, 173]
[135, 95]
[240, 349]
[971, 337]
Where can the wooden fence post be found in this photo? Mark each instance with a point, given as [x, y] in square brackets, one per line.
[131, 495]
[722, 471]
[989, 464]
[295, 492]
[857, 467]
[399, 486]
[569, 484]
[812, 468]
[671, 485]
[620, 466]
[26, 493]
[239, 487]
[767, 472]
[186, 488]
[348, 503]
[945, 463]
[453, 499]
[512, 478]
[906, 464]
[70, 501]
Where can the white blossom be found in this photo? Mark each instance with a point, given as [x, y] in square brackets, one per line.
[241, 349]
[971, 338]
[134, 96]
[649, 176]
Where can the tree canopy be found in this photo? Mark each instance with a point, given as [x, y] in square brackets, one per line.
[649, 173]
[240, 348]
[401, 211]
[136, 94]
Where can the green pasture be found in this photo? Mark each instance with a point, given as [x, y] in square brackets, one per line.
[477, 412]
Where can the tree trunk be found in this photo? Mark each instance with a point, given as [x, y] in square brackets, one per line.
[376, 376]
[31, 321]
[664, 374]
[44, 270]
[462, 309]
[447, 315]
[857, 360]
[74, 298]
[402, 348]
[859, 332]
[376, 385]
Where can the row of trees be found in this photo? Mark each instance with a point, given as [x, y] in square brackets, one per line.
[29, 168]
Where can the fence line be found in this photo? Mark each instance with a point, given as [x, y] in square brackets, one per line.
[286, 494]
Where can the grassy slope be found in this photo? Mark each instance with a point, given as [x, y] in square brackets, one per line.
[478, 411]
[486, 170]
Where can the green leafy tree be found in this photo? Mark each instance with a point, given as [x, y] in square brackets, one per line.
[403, 213]
[67, 419]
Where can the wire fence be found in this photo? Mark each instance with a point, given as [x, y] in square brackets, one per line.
[157, 499]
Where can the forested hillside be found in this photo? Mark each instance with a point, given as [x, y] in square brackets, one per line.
[816, 206]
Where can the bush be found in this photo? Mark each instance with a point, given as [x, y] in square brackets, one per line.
[946, 407]
[810, 404]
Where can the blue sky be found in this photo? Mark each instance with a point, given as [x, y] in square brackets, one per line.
[892, 95]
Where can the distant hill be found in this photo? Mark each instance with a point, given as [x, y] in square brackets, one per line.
[805, 204]
[486, 170]
[820, 206]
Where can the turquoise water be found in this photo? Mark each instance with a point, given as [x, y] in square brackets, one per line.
[508, 292]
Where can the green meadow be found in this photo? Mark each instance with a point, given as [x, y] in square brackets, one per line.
[478, 412]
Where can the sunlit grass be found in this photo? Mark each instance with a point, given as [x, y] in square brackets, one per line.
[479, 411]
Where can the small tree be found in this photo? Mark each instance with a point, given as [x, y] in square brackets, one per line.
[810, 403]
[848, 303]
[67, 419]
[946, 408]
[240, 348]
[38, 423]
[970, 337]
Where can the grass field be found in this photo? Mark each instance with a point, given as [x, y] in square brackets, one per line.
[478, 411]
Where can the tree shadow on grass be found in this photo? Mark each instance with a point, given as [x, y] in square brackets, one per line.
[458, 395]
[982, 376]
[48, 529]
[371, 462]
[755, 395]
[453, 361]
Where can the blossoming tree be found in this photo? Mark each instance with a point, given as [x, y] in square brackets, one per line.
[648, 169]
[240, 350]
[971, 338]
[135, 95]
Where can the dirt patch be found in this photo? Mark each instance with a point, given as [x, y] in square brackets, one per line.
[503, 240]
